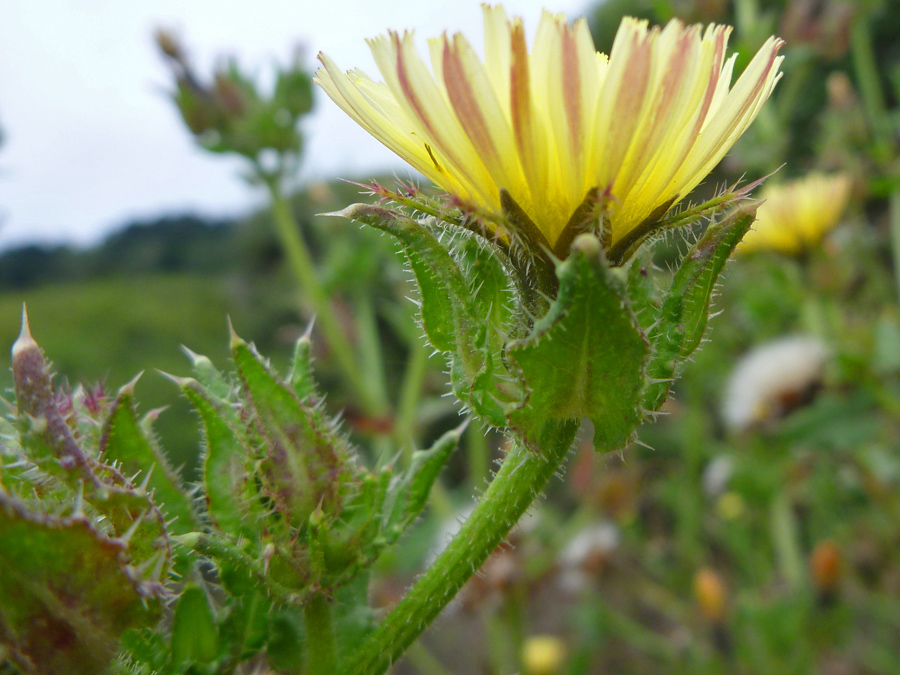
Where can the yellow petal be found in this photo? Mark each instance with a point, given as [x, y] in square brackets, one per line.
[643, 126]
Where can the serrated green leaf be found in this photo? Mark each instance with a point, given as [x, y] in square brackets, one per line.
[195, 638]
[354, 619]
[448, 314]
[122, 442]
[225, 471]
[585, 356]
[457, 313]
[66, 594]
[302, 379]
[685, 311]
[245, 627]
[491, 290]
[306, 463]
[643, 291]
[286, 640]
[213, 381]
[408, 496]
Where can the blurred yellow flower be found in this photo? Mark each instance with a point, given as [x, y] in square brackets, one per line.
[797, 214]
[638, 129]
[543, 655]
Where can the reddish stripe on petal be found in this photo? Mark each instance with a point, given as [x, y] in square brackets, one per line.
[571, 78]
[715, 74]
[764, 77]
[519, 91]
[629, 98]
[752, 98]
[408, 91]
[465, 104]
[669, 86]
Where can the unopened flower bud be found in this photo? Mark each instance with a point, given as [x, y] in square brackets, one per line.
[711, 595]
[840, 91]
[230, 95]
[825, 567]
[168, 44]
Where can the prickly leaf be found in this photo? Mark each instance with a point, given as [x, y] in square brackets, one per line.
[644, 293]
[685, 311]
[44, 434]
[302, 379]
[408, 496]
[307, 463]
[225, 470]
[286, 639]
[195, 638]
[448, 314]
[66, 592]
[124, 443]
[585, 356]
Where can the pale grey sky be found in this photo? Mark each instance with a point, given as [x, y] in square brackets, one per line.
[91, 141]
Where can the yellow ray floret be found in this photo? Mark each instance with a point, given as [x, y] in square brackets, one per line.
[797, 214]
[644, 125]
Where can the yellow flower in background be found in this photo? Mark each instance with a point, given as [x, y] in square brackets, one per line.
[643, 126]
[797, 214]
[543, 655]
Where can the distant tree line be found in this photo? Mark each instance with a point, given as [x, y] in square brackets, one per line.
[183, 244]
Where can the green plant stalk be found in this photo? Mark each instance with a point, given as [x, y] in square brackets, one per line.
[304, 270]
[783, 525]
[522, 476]
[410, 394]
[370, 351]
[500, 650]
[894, 214]
[869, 80]
[320, 643]
[424, 661]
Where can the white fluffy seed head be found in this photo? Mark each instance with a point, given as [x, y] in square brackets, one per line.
[770, 378]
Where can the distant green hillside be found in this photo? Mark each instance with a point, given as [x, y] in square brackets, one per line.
[128, 304]
[110, 330]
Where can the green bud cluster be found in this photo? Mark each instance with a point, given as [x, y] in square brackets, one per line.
[287, 497]
[231, 114]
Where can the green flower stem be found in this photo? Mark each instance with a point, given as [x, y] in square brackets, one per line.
[320, 644]
[869, 80]
[304, 270]
[522, 476]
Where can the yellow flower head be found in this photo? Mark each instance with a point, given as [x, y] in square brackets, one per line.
[643, 126]
[543, 655]
[797, 214]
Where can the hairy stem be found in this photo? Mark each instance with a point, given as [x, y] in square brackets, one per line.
[522, 476]
[321, 652]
